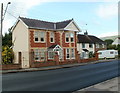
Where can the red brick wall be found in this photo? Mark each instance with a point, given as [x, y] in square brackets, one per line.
[57, 41]
[10, 66]
[32, 43]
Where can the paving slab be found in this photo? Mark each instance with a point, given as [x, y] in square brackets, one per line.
[111, 86]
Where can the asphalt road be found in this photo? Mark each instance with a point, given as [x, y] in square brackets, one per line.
[65, 79]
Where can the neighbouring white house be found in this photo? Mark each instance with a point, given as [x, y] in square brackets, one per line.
[89, 44]
[116, 41]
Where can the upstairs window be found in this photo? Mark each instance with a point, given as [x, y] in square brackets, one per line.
[52, 37]
[90, 45]
[72, 37]
[36, 36]
[42, 37]
[67, 37]
[83, 45]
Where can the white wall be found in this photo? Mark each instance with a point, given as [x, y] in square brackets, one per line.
[80, 49]
[71, 27]
[21, 43]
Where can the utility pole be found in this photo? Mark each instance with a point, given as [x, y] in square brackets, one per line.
[1, 27]
[1, 22]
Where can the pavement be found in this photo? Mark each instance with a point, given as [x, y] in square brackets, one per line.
[109, 86]
[53, 67]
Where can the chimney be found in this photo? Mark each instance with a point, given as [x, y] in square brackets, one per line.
[86, 33]
[54, 25]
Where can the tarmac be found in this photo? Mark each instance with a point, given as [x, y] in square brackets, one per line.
[109, 86]
[52, 67]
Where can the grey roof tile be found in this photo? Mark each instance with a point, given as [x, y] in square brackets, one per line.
[34, 23]
[88, 39]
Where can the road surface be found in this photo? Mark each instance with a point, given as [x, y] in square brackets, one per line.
[65, 79]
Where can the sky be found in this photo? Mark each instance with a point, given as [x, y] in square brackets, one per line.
[98, 17]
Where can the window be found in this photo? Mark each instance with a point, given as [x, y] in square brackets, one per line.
[100, 46]
[72, 54]
[72, 37]
[67, 37]
[52, 37]
[36, 36]
[39, 36]
[36, 55]
[39, 54]
[90, 45]
[111, 52]
[97, 45]
[100, 53]
[42, 54]
[83, 45]
[67, 53]
[51, 54]
[42, 36]
[103, 46]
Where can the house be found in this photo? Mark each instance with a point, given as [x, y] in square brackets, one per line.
[87, 45]
[43, 39]
[116, 41]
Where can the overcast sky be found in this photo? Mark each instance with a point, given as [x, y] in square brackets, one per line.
[101, 16]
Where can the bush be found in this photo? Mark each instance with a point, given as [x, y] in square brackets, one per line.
[7, 55]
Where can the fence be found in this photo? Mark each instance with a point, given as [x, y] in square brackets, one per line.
[42, 59]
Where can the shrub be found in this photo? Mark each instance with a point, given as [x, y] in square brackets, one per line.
[7, 55]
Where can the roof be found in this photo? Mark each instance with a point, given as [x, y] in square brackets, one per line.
[88, 39]
[34, 23]
[53, 46]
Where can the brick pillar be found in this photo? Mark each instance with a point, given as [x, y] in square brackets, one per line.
[96, 56]
[56, 58]
[78, 58]
[31, 58]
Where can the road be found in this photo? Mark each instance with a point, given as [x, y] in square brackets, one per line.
[65, 79]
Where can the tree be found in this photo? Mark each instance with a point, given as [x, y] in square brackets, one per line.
[112, 47]
[109, 41]
[7, 39]
[7, 55]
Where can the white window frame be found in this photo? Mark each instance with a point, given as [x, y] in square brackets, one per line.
[73, 54]
[36, 53]
[42, 36]
[42, 54]
[97, 45]
[72, 36]
[39, 53]
[84, 45]
[67, 53]
[67, 35]
[52, 35]
[49, 55]
[36, 35]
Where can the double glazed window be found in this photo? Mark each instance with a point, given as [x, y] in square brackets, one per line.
[90, 45]
[70, 53]
[69, 37]
[39, 36]
[51, 54]
[36, 36]
[52, 37]
[83, 45]
[39, 54]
